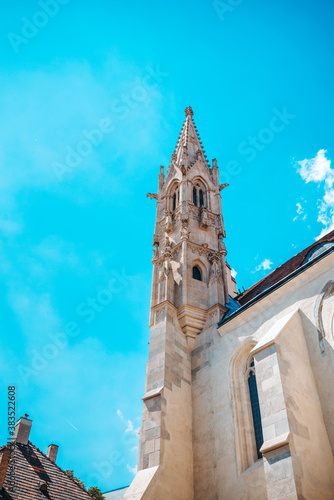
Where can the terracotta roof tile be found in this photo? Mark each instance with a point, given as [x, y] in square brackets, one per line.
[32, 467]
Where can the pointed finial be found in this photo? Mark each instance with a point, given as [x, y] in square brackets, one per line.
[189, 111]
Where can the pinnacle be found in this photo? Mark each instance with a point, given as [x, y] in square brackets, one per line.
[189, 111]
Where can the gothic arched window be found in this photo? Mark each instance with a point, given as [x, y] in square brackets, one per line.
[176, 198]
[254, 399]
[199, 195]
[194, 196]
[197, 275]
[201, 198]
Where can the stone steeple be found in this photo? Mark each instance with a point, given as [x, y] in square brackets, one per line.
[189, 234]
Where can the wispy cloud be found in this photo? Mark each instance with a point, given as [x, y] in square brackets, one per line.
[264, 266]
[233, 273]
[133, 470]
[130, 426]
[300, 212]
[319, 170]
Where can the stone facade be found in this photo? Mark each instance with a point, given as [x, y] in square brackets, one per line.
[197, 439]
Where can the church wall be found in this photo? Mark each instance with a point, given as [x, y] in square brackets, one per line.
[215, 461]
[216, 467]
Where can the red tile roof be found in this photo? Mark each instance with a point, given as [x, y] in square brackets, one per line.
[33, 467]
[281, 272]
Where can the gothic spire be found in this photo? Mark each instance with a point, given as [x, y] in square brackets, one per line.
[189, 145]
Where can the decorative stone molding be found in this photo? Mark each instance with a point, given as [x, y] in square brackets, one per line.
[243, 419]
[191, 319]
[325, 314]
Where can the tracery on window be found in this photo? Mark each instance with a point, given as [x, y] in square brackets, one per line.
[199, 195]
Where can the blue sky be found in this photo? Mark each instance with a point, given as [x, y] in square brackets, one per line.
[75, 224]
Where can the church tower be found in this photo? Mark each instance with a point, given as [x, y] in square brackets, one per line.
[189, 269]
[191, 285]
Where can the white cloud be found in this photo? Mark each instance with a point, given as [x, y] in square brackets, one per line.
[233, 273]
[319, 169]
[300, 211]
[130, 427]
[265, 265]
[133, 470]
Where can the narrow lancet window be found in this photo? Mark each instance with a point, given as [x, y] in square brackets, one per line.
[195, 196]
[174, 201]
[201, 198]
[254, 398]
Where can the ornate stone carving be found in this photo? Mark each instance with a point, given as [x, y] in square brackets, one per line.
[189, 111]
[156, 251]
[167, 223]
[168, 248]
[185, 232]
[222, 247]
[204, 221]
[216, 269]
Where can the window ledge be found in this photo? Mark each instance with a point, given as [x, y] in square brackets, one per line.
[273, 444]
